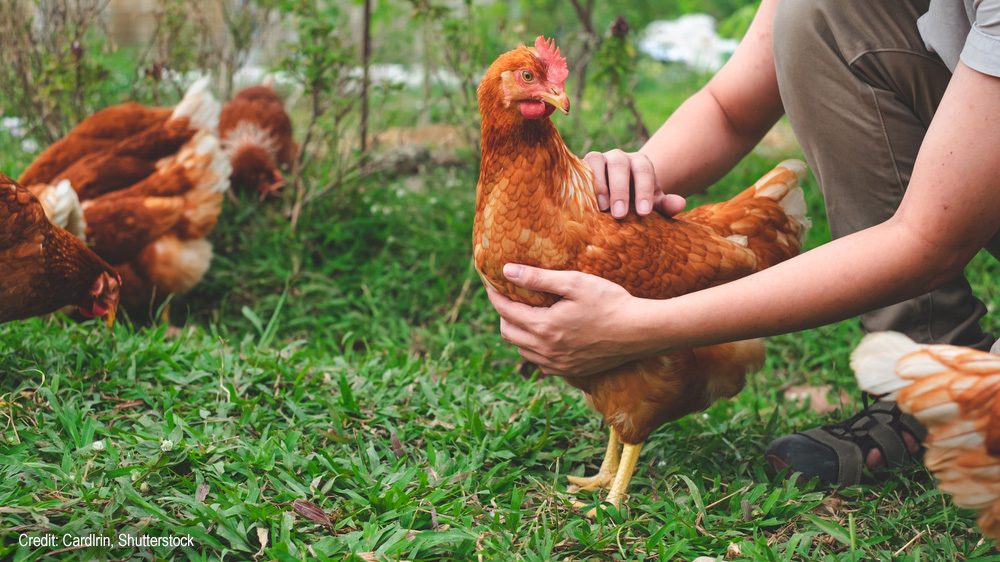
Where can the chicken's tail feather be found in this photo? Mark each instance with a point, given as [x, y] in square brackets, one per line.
[204, 155]
[199, 106]
[202, 211]
[875, 363]
[174, 265]
[782, 185]
[62, 207]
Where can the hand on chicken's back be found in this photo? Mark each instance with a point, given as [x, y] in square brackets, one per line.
[617, 174]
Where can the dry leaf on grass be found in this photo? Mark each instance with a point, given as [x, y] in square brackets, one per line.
[311, 511]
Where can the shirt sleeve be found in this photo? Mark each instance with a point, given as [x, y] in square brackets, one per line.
[982, 47]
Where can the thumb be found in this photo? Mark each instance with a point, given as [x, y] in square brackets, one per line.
[670, 204]
[552, 281]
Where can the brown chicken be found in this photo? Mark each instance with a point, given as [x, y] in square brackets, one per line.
[955, 393]
[151, 191]
[536, 205]
[45, 268]
[257, 135]
[96, 133]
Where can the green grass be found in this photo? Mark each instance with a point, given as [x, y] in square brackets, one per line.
[355, 364]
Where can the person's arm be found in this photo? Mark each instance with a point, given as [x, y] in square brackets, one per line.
[950, 210]
[704, 138]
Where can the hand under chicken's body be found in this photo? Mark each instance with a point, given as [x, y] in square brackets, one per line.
[536, 206]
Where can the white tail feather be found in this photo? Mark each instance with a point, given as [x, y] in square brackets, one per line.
[199, 106]
[62, 207]
[788, 193]
[177, 266]
[874, 362]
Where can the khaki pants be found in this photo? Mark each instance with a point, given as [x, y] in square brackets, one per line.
[860, 89]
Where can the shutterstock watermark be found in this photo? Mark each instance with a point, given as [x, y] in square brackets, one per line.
[53, 541]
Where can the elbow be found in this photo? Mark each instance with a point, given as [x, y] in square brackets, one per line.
[935, 260]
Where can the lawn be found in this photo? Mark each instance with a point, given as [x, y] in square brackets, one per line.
[339, 391]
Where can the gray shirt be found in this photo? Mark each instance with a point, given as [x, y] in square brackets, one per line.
[966, 30]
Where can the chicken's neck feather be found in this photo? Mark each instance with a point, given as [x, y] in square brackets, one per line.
[69, 266]
[533, 159]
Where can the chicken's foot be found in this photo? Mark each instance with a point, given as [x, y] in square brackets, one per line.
[605, 475]
[619, 488]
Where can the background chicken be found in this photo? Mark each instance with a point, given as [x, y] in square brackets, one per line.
[955, 393]
[151, 182]
[45, 267]
[257, 137]
[535, 205]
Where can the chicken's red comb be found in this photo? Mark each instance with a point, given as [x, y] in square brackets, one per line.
[555, 65]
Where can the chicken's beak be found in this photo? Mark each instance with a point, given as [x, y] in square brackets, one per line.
[110, 318]
[557, 99]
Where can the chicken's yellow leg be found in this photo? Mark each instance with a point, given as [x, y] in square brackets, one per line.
[630, 455]
[605, 474]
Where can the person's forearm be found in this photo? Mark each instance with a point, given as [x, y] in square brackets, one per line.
[721, 123]
[688, 163]
[867, 270]
[950, 210]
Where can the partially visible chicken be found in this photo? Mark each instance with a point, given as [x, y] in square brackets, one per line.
[45, 268]
[257, 135]
[151, 198]
[536, 205]
[98, 132]
[955, 393]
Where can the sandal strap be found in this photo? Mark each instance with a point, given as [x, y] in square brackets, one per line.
[877, 426]
[850, 465]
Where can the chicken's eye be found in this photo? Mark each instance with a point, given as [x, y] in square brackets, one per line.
[527, 76]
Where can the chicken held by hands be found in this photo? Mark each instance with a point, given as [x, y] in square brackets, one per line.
[955, 393]
[257, 135]
[536, 205]
[44, 267]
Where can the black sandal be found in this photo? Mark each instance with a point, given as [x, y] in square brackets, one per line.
[836, 453]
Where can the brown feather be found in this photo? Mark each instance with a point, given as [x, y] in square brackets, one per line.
[44, 267]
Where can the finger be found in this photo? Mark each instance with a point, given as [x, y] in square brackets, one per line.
[619, 170]
[514, 334]
[599, 166]
[562, 283]
[670, 204]
[540, 361]
[514, 312]
[644, 177]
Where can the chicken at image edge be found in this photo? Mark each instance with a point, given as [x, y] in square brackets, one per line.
[955, 393]
[46, 268]
[536, 205]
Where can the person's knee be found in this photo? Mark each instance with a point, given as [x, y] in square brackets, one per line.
[797, 30]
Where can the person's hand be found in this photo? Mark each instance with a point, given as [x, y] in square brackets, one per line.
[592, 329]
[616, 170]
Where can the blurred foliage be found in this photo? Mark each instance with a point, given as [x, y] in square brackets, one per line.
[735, 25]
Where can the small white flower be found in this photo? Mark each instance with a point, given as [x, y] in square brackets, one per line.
[99, 445]
[144, 487]
[166, 445]
[29, 145]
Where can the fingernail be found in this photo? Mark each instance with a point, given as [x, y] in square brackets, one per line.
[602, 202]
[512, 271]
[619, 209]
[643, 206]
